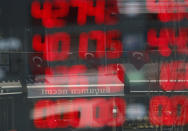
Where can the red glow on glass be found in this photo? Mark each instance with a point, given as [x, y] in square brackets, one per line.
[47, 113]
[62, 75]
[43, 114]
[53, 13]
[67, 116]
[86, 8]
[167, 37]
[111, 74]
[174, 76]
[109, 40]
[50, 47]
[99, 36]
[161, 111]
[164, 110]
[76, 75]
[100, 109]
[119, 105]
[168, 10]
[182, 103]
[105, 42]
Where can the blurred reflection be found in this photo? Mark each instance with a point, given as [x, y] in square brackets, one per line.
[10, 44]
[134, 42]
[135, 112]
[130, 7]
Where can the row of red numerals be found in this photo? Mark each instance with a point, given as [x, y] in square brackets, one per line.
[53, 13]
[107, 44]
[168, 37]
[100, 112]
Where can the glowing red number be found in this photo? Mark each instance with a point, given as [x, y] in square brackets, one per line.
[50, 47]
[99, 36]
[44, 114]
[161, 42]
[79, 113]
[161, 111]
[67, 116]
[111, 12]
[166, 17]
[99, 113]
[86, 8]
[51, 13]
[116, 111]
[168, 37]
[111, 76]
[179, 101]
[83, 106]
[164, 110]
[174, 76]
[113, 45]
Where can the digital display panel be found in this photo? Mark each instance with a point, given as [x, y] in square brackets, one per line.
[95, 64]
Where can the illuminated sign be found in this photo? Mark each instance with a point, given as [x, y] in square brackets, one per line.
[100, 112]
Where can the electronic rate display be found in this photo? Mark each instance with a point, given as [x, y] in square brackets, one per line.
[100, 65]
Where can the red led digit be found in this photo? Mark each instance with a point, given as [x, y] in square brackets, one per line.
[114, 45]
[66, 115]
[162, 41]
[174, 76]
[116, 111]
[82, 10]
[161, 111]
[52, 51]
[111, 12]
[51, 13]
[77, 77]
[179, 101]
[168, 37]
[111, 77]
[45, 114]
[83, 107]
[86, 8]
[100, 115]
[83, 45]
[97, 11]
[50, 47]
[37, 43]
[99, 36]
